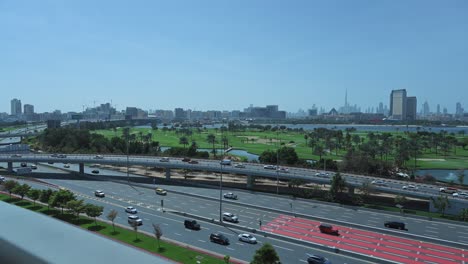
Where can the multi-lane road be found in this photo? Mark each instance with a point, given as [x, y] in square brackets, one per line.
[204, 202]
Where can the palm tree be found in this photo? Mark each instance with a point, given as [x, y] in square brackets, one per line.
[184, 141]
[212, 139]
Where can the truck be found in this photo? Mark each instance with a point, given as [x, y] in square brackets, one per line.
[21, 171]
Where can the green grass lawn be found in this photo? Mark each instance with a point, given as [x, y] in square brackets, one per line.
[258, 141]
[149, 243]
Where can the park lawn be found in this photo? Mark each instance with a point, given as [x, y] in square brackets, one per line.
[149, 243]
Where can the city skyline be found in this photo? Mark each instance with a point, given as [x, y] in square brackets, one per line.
[225, 56]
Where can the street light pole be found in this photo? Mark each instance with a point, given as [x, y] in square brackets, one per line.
[128, 176]
[277, 163]
[221, 195]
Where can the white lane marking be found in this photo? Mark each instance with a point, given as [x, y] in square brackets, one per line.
[177, 234]
[230, 248]
[283, 248]
[202, 240]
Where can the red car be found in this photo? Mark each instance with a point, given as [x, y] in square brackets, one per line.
[328, 229]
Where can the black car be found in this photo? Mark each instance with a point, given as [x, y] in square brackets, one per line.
[219, 238]
[95, 171]
[317, 259]
[192, 224]
[395, 224]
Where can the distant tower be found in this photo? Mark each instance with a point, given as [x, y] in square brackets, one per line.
[346, 110]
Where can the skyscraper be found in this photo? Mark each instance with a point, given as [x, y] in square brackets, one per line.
[426, 109]
[411, 104]
[28, 109]
[459, 109]
[15, 107]
[398, 104]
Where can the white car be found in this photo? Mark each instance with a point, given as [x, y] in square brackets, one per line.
[165, 159]
[66, 166]
[2, 179]
[269, 167]
[99, 193]
[460, 195]
[230, 195]
[239, 165]
[248, 238]
[230, 217]
[98, 157]
[410, 187]
[131, 210]
[322, 174]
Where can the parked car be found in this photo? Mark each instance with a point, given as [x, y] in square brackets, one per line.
[165, 159]
[161, 191]
[131, 210]
[395, 224]
[269, 167]
[99, 193]
[317, 259]
[95, 171]
[230, 217]
[248, 238]
[230, 195]
[239, 165]
[328, 229]
[192, 224]
[219, 238]
[134, 219]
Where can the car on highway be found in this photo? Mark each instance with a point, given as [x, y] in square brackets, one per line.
[378, 183]
[219, 238]
[449, 190]
[55, 155]
[269, 167]
[62, 156]
[226, 162]
[99, 193]
[164, 159]
[230, 195]
[98, 157]
[131, 210]
[460, 195]
[161, 191]
[192, 224]
[283, 169]
[24, 164]
[230, 217]
[66, 165]
[328, 229]
[239, 165]
[2, 179]
[95, 171]
[322, 174]
[193, 162]
[50, 162]
[248, 238]
[135, 220]
[186, 159]
[317, 259]
[395, 224]
[33, 167]
[16, 156]
[410, 187]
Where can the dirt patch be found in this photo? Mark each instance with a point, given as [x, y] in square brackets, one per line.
[256, 139]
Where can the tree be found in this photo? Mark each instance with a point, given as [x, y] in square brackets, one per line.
[111, 216]
[10, 186]
[461, 176]
[318, 150]
[441, 203]
[134, 225]
[61, 198]
[184, 141]
[45, 196]
[94, 211]
[76, 206]
[287, 155]
[157, 233]
[366, 189]
[34, 194]
[212, 140]
[265, 255]
[226, 259]
[464, 214]
[400, 200]
[21, 190]
[337, 185]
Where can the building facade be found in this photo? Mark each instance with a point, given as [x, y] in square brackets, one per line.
[398, 104]
[411, 105]
[16, 107]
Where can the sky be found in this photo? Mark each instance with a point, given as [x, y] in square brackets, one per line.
[226, 55]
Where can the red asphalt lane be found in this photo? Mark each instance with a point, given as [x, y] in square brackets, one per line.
[383, 246]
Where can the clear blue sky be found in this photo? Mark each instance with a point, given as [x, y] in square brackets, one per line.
[226, 55]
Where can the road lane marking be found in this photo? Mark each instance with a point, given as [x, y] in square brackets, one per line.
[283, 248]
[203, 241]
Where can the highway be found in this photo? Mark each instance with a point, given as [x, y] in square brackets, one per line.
[118, 196]
[251, 169]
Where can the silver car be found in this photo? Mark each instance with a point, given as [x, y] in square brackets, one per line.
[248, 238]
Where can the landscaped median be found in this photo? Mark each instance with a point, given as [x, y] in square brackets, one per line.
[182, 254]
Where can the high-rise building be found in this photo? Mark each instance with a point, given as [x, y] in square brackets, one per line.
[15, 107]
[180, 114]
[411, 104]
[438, 109]
[426, 109]
[28, 109]
[398, 104]
[459, 110]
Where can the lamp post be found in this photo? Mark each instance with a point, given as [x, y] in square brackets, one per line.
[221, 195]
[277, 162]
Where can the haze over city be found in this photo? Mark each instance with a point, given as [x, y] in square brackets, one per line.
[227, 55]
